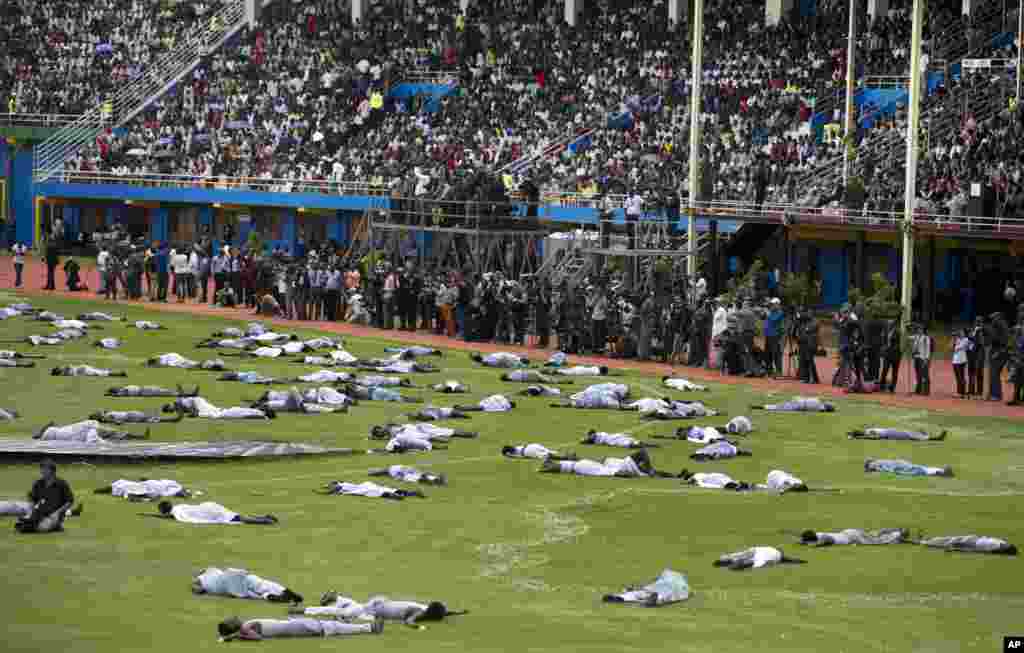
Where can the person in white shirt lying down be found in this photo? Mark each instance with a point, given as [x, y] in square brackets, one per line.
[855, 536]
[411, 613]
[585, 370]
[240, 584]
[636, 465]
[435, 413]
[200, 407]
[396, 367]
[420, 429]
[85, 431]
[798, 405]
[409, 353]
[259, 629]
[99, 317]
[971, 544]
[718, 450]
[535, 451]
[378, 381]
[755, 558]
[325, 376]
[451, 388]
[180, 362]
[540, 391]
[533, 376]
[500, 359]
[378, 393]
[132, 417]
[681, 410]
[108, 343]
[144, 489]
[10, 354]
[708, 434]
[491, 404]
[323, 395]
[408, 474]
[14, 362]
[621, 440]
[682, 385]
[9, 414]
[881, 433]
[207, 513]
[149, 391]
[369, 490]
[84, 370]
[252, 378]
[146, 325]
[713, 481]
[294, 402]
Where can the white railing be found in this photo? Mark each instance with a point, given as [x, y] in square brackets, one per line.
[37, 119]
[257, 184]
[717, 209]
[207, 35]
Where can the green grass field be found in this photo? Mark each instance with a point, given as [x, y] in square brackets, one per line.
[529, 554]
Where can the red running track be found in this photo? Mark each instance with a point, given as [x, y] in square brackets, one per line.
[943, 397]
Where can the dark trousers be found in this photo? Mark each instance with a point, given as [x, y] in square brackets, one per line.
[874, 355]
[959, 370]
[773, 350]
[600, 336]
[50, 270]
[996, 361]
[808, 368]
[218, 283]
[161, 283]
[18, 267]
[409, 314]
[890, 363]
[331, 304]
[976, 375]
[203, 283]
[922, 370]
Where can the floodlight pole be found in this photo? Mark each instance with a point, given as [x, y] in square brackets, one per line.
[910, 192]
[696, 77]
[851, 50]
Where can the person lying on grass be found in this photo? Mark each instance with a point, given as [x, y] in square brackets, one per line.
[798, 405]
[718, 450]
[713, 481]
[325, 376]
[540, 391]
[84, 370]
[855, 536]
[410, 613]
[413, 352]
[681, 410]
[150, 391]
[971, 544]
[207, 513]
[178, 361]
[585, 370]
[378, 393]
[294, 402]
[436, 413]
[695, 434]
[146, 325]
[251, 378]
[883, 433]
[598, 396]
[636, 465]
[755, 558]
[259, 629]
[621, 440]
[369, 490]
[51, 502]
[132, 417]
[905, 468]
[200, 407]
[379, 381]
[682, 385]
[108, 343]
[451, 388]
[88, 431]
[99, 317]
[408, 474]
[397, 367]
[10, 354]
[324, 395]
[15, 362]
[491, 404]
[144, 489]
[9, 414]
[419, 429]
[500, 359]
[532, 376]
[535, 451]
[240, 584]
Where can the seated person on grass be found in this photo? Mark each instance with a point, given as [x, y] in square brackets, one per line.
[52, 500]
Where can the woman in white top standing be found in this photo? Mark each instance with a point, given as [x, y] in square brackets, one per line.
[961, 346]
[182, 272]
[18, 251]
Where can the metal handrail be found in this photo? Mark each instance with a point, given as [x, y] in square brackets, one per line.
[259, 184]
[37, 119]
